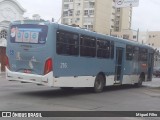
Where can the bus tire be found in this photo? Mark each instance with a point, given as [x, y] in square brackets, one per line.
[99, 83]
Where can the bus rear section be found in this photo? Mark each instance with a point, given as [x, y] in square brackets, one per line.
[28, 56]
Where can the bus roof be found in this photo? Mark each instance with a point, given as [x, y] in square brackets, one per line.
[83, 31]
[30, 22]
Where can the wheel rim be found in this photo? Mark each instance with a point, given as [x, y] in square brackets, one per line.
[98, 84]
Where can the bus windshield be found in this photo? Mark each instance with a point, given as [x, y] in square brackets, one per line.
[27, 33]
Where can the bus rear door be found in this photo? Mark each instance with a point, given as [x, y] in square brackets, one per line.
[119, 65]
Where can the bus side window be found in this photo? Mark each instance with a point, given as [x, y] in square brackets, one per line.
[67, 43]
[143, 54]
[129, 52]
[135, 53]
[103, 48]
[112, 50]
[87, 46]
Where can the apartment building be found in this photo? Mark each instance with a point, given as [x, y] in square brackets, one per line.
[96, 15]
[153, 38]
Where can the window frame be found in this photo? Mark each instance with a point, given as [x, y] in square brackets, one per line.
[129, 53]
[85, 50]
[143, 54]
[67, 43]
[103, 49]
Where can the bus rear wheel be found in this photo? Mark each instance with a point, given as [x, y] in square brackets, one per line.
[99, 84]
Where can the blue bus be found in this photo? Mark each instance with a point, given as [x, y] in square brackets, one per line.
[63, 56]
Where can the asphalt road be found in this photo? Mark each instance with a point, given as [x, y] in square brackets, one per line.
[15, 96]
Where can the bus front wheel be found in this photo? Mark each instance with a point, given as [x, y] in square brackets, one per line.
[99, 84]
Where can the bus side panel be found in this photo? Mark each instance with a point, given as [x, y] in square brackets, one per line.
[81, 66]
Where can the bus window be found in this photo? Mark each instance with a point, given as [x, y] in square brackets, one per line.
[67, 43]
[88, 46]
[103, 48]
[129, 52]
[112, 50]
[143, 53]
[27, 33]
[135, 53]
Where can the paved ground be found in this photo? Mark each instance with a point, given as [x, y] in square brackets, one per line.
[15, 96]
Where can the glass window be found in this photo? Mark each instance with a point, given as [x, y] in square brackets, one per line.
[66, 6]
[135, 53]
[85, 12]
[67, 43]
[134, 36]
[88, 46]
[29, 33]
[103, 48]
[70, 12]
[112, 49]
[143, 54]
[65, 13]
[91, 12]
[125, 36]
[129, 52]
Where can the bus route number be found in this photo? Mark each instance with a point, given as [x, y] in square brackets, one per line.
[63, 65]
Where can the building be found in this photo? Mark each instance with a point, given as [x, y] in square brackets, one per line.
[123, 19]
[128, 34]
[143, 37]
[153, 38]
[157, 58]
[10, 10]
[96, 15]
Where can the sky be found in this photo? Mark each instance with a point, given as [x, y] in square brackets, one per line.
[146, 16]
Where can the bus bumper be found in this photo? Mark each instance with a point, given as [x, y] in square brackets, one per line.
[46, 80]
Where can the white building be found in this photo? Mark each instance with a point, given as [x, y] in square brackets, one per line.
[10, 10]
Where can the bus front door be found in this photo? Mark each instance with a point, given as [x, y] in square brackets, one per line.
[119, 65]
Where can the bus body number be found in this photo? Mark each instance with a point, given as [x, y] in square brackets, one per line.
[63, 65]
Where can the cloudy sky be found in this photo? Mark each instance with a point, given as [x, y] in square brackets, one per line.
[145, 17]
